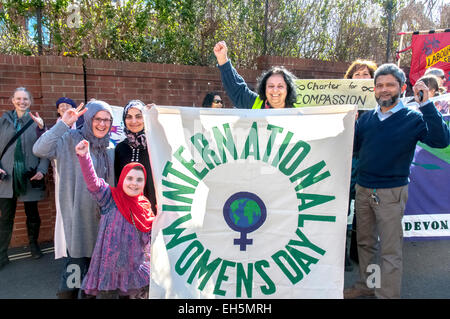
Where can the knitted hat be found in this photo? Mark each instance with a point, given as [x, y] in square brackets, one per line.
[65, 100]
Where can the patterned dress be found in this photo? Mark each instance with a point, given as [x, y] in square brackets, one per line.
[121, 260]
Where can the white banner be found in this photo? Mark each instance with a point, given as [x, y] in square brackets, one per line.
[319, 92]
[117, 133]
[426, 225]
[251, 203]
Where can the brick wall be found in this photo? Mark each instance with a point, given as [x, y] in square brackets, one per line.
[116, 82]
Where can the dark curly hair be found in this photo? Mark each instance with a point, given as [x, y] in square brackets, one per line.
[288, 77]
[209, 98]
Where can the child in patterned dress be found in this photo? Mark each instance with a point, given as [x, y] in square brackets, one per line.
[120, 261]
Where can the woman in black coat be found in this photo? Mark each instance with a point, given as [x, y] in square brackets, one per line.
[134, 147]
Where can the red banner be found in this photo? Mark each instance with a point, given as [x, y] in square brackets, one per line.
[430, 51]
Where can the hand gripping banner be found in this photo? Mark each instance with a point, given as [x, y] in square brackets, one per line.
[251, 203]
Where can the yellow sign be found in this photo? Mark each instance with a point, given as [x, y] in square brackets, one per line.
[440, 56]
[315, 92]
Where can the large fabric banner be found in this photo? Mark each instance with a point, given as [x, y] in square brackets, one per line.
[430, 50]
[319, 92]
[251, 203]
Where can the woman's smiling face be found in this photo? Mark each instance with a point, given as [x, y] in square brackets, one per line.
[134, 121]
[134, 183]
[21, 101]
[101, 122]
[276, 91]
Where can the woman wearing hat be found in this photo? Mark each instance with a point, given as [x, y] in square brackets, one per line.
[62, 105]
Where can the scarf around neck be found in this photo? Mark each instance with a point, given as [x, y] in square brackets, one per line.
[136, 210]
[19, 181]
[136, 140]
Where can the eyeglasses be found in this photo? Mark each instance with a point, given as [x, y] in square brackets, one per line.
[99, 120]
[218, 101]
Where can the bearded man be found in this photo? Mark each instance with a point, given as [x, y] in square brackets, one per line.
[385, 141]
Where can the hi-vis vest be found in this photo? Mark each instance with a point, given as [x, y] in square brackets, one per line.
[258, 103]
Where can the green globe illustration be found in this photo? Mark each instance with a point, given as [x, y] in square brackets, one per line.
[245, 212]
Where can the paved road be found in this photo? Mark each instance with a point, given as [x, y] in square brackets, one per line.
[426, 273]
[426, 270]
[27, 278]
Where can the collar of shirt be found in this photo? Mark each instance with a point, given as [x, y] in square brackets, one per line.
[382, 116]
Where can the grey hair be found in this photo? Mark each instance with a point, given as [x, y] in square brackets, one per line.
[390, 69]
[435, 71]
[23, 89]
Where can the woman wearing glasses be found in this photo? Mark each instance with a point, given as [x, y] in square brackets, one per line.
[79, 211]
[213, 99]
[134, 147]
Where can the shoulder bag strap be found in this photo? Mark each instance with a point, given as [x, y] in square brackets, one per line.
[15, 137]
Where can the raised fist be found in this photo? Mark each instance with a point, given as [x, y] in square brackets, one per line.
[82, 148]
[221, 52]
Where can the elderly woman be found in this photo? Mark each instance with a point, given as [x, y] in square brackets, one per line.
[134, 147]
[276, 87]
[21, 172]
[79, 211]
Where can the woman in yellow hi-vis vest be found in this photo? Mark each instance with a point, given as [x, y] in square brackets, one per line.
[276, 87]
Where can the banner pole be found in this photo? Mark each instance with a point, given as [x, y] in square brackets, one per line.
[400, 47]
[423, 31]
